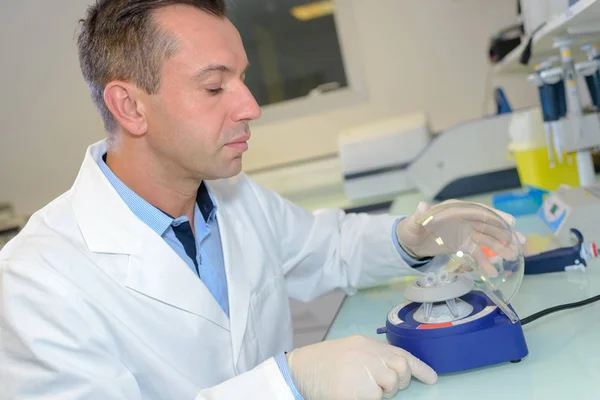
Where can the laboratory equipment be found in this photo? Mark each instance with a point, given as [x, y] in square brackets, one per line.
[576, 133]
[573, 132]
[572, 207]
[375, 156]
[520, 202]
[382, 159]
[552, 99]
[548, 117]
[529, 147]
[466, 159]
[458, 316]
[502, 104]
[562, 259]
[553, 95]
[592, 74]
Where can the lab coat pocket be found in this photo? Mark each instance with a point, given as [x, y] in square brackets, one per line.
[271, 318]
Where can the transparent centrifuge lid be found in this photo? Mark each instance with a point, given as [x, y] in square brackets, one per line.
[477, 243]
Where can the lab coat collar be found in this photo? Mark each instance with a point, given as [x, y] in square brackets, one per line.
[105, 221]
[109, 226]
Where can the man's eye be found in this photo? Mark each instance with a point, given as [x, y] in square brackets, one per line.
[215, 91]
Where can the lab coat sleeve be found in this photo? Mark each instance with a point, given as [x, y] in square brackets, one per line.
[264, 382]
[331, 249]
[49, 348]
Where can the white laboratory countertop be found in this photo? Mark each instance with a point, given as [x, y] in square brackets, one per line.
[564, 347]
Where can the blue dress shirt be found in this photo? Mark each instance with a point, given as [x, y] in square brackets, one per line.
[202, 252]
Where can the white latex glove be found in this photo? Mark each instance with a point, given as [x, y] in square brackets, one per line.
[462, 228]
[354, 368]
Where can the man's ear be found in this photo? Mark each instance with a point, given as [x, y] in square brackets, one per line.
[124, 102]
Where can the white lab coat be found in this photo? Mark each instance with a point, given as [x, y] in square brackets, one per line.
[95, 305]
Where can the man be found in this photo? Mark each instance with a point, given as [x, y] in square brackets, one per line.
[164, 272]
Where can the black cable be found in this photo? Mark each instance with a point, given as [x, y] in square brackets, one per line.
[551, 310]
[526, 54]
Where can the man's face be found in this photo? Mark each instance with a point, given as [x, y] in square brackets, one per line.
[198, 121]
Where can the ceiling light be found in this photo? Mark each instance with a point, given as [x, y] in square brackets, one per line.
[315, 9]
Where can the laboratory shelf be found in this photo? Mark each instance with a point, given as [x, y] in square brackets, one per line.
[580, 22]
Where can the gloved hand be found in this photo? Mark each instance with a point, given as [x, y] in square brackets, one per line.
[354, 368]
[462, 227]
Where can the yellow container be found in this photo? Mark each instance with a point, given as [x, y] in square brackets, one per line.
[534, 169]
[529, 151]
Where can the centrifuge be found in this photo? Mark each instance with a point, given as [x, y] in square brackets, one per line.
[457, 315]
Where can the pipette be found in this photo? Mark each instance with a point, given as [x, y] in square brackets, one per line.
[554, 89]
[537, 80]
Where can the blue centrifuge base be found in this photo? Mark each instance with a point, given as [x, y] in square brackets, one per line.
[485, 337]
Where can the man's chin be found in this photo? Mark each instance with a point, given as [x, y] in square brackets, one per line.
[233, 169]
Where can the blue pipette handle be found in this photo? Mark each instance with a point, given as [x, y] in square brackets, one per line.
[593, 84]
[544, 103]
[553, 99]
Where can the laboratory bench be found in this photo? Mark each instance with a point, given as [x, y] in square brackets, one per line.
[564, 347]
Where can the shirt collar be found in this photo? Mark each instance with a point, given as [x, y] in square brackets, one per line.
[152, 216]
[206, 203]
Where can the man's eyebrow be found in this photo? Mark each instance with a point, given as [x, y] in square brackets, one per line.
[216, 68]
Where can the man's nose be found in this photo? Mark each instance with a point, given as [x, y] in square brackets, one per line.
[248, 109]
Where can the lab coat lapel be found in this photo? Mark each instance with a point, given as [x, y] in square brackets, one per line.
[155, 270]
[233, 241]
[160, 273]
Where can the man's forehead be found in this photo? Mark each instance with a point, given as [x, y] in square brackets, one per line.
[196, 29]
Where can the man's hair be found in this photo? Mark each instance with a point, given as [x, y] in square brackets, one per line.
[119, 40]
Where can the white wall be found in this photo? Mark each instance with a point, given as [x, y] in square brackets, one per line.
[416, 55]
[46, 115]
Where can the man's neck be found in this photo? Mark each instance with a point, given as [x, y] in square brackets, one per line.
[155, 183]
